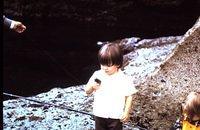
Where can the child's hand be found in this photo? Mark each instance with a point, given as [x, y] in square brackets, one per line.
[96, 86]
[125, 117]
[92, 87]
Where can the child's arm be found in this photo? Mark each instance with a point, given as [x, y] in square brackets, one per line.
[127, 109]
[91, 88]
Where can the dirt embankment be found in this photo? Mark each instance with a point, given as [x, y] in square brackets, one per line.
[157, 105]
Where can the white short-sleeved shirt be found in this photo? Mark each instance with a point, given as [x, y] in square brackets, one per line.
[109, 99]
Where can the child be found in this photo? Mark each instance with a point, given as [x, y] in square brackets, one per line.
[191, 112]
[112, 90]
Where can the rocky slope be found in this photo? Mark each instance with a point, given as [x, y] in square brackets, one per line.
[164, 73]
[157, 105]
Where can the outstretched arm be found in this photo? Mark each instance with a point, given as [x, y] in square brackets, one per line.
[15, 25]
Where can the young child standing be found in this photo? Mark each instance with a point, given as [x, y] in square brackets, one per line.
[112, 90]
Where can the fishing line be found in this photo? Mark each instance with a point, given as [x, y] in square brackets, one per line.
[47, 104]
[61, 107]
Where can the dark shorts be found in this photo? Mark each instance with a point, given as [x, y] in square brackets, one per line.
[107, 124]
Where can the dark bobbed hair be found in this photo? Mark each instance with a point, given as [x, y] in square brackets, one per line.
[110, 54]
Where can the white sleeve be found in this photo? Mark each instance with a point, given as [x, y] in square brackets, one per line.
[92, 78]
[12, 24]
[130, 88]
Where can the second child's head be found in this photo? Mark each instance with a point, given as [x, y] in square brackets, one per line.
[110, 58]
[192, 105]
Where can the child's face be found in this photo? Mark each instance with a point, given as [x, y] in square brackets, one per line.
[109, 69]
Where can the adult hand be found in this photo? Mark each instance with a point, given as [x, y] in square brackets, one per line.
[19, 27]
